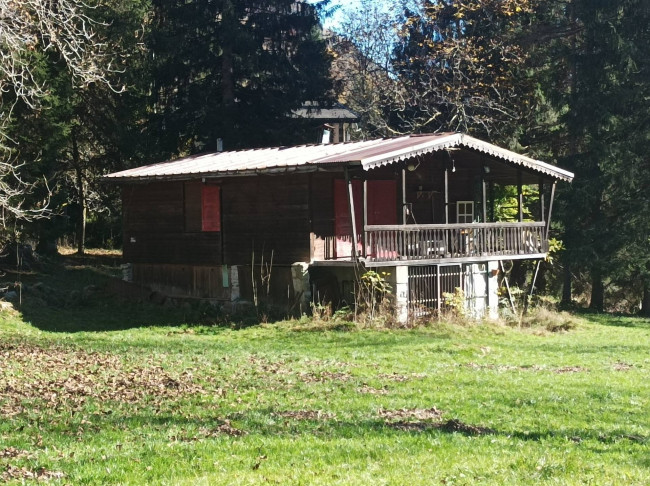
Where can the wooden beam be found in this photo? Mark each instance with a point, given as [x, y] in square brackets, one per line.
[542, 209]
[365, 217]
[491, 197]
[438, 293]
[550, 209]
[348, 182]
[404, 215]
[484, 196]
[446, 193]
[520, 197]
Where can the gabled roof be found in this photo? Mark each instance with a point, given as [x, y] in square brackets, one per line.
[369, 154]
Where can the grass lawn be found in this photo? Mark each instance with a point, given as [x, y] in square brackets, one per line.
[98, 391]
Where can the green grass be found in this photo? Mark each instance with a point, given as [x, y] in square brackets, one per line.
[142, 399]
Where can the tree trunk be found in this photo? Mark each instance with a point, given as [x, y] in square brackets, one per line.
[597, 292]
[227, 77]
[645, 301]
[567, 297]
[81, 194]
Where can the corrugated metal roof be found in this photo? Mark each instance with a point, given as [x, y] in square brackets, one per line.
[369, 154]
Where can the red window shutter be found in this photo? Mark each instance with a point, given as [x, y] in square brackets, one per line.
[211, 208]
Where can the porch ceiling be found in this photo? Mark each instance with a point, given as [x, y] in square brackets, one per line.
[368, 154]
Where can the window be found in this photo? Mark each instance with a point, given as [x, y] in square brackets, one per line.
[465, 211]
[202, 207]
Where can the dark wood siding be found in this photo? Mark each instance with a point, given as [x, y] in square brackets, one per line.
[154, 227]
[205, 282]
[266, 214]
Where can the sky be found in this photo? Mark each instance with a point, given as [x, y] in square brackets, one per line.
[334, 21]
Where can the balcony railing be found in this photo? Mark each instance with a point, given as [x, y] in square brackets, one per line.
[453, 241]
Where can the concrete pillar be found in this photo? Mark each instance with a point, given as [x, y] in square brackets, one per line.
[493, 289]
[301, 285]
[234, 283]
[402, 293]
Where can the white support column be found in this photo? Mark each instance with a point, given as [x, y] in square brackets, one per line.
[493, 289]
[402, 293]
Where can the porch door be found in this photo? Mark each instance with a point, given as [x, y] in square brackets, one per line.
[382, 209]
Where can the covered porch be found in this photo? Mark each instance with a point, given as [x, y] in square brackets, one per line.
[449, 199]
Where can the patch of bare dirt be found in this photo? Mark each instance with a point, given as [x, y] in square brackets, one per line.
[411, 420]
[324, 376]
[369, 390]
[621, 366]
[397, 377]
[224, 429]
[570, 369]
[60, 376]
[420, 420]
[411, 413]
[502, 368]
[305, 415]
[270, 367]
[12, 473]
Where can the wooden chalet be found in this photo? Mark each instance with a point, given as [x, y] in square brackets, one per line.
[297, 223]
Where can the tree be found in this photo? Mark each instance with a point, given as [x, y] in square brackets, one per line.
[233, 71]
[80, 131]
[462, 67]
[599, 85]
[32, 32]
[363, 66]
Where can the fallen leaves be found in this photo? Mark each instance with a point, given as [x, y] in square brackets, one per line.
[397, 377]
[420, 420]
[503, 368]
[621, 366]
[12, 452]
[305, 415]
[369, 390]
[570, 369]
[413, 413]
[22, 473]
[60, 376]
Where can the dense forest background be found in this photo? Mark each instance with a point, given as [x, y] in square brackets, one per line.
[89, 88]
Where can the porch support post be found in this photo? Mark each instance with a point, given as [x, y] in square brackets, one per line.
[542, 209]
[446, 193]
[550, 209]
[404, 211]
[484, 196]
[438, 293]
[491, 197]
[365, 217]
[402, 293]
[348, 182]
[520, 197]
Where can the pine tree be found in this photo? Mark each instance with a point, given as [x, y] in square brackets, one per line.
[232, 70]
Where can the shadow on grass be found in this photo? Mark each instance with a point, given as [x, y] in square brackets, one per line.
[270, 423]
[66, 295]
[58, 297]
[616, 320]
